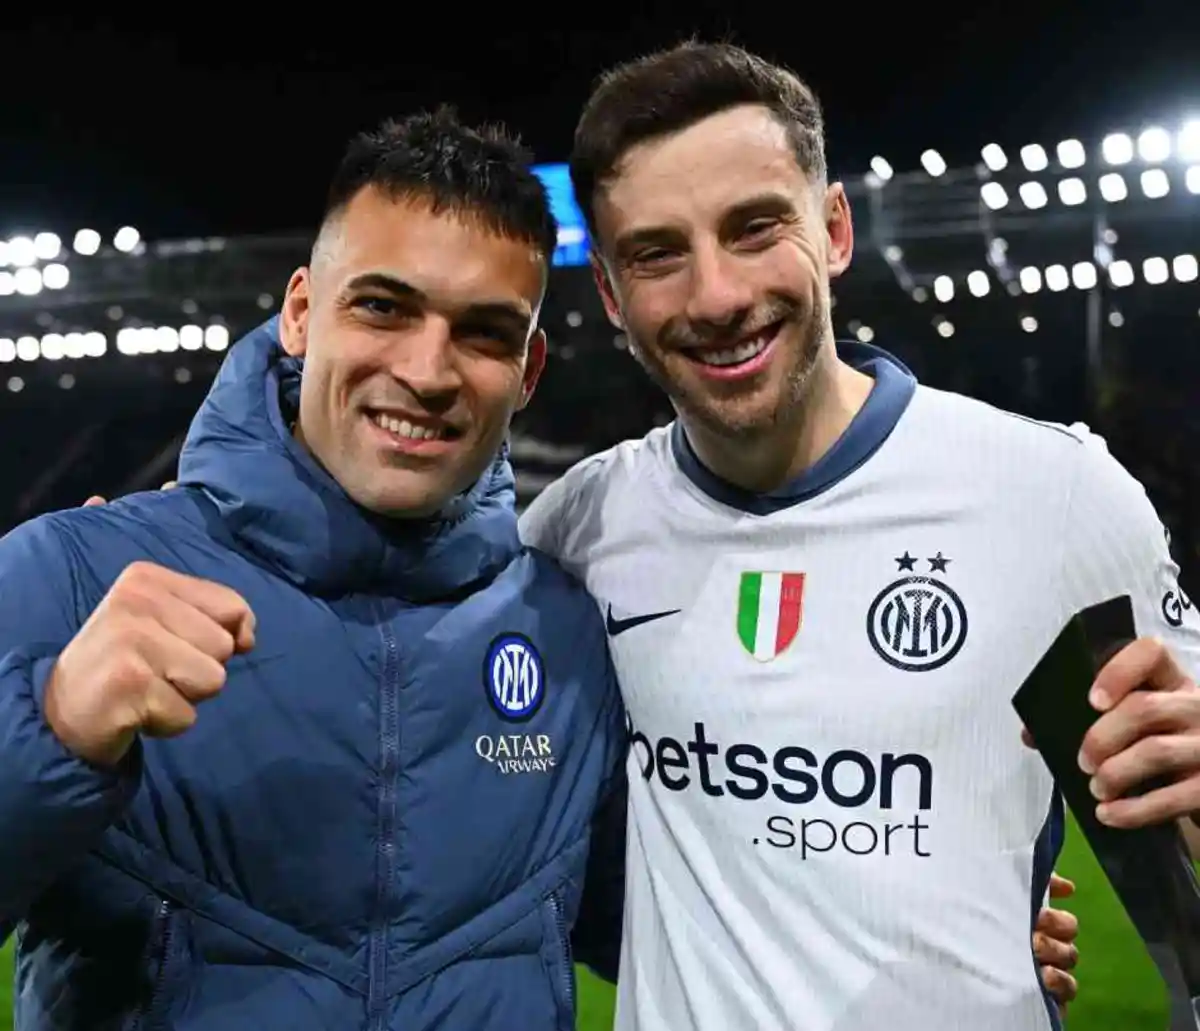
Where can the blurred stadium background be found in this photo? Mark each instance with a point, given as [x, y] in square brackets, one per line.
[1057, 279]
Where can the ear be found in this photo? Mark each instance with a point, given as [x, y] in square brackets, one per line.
[608, 296]
[535, 362]
[839, 229]
[293, 318]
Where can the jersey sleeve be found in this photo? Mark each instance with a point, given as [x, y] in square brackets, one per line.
[1115, 544]
[541, 523]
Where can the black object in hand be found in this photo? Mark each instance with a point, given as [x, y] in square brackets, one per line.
[1149, 867]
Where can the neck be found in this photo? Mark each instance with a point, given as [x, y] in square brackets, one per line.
[833, 395]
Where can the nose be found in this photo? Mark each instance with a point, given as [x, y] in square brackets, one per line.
[423, 359]
[720, 294]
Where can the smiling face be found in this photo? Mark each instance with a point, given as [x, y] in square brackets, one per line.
[717, 253]
[419, 343]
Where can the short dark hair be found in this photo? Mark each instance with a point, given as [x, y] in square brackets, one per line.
[673, 89]
[480, 172]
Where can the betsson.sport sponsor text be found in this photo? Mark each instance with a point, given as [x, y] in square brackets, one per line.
[847, 778]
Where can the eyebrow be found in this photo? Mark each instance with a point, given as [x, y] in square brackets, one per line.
[763, 203]
[508, 311]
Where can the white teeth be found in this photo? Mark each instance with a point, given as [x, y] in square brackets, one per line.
[735, 355]
[404, 428]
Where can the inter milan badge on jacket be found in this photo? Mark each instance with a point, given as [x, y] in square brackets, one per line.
[770, 607]
[917, 623]
[514, 677]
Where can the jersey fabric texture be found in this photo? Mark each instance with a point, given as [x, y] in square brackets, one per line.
[833, 822]
[383, 819]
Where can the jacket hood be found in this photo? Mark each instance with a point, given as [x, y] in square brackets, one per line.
[280, 504]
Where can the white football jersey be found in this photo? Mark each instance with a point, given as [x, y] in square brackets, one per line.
[833, 824]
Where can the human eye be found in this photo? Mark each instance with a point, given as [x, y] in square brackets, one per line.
[758, 229]
[493, 337]
[381, 307]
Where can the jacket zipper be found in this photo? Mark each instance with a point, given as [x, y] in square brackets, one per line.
[560, 922]
[159, 954]
[385, 857]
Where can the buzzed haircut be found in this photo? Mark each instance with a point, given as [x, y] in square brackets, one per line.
[474, 172]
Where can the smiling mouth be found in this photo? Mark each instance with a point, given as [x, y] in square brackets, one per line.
[738, 354]
[408, 429]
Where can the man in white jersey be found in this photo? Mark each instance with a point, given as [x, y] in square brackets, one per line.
[824, 584]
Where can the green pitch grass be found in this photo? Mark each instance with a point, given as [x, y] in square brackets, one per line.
[1119, 988]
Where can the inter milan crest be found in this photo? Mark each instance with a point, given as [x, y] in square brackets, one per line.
[917, 623]
[770, 606]
[514, 677]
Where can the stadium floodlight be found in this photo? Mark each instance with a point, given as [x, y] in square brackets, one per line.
[1117, 149]
[28, 349]
[943, 289]
[1154, 271]
[933, 163]
[1185, 268]
[1083, 275]
[1113, 188]
[55, 276]
[46, 246]
[1057, 278]
[191, 338]
[53, 346]
[216, 338]
[993, 195]
[881, 168]
[1071, 154]
[1029, 324]
[865, 334]
[1155, 183]
[21, 252]
[126, 239]
[28, 281]
[86, 242]
[1033, 195]
[1192, 179]
[1154, 145]
[1120, 274]
[978, 283]
[1033, 157]
[15, 384]
[945, 328]
[8, 350]
[166, 339]
[994, 157]
[1187, 144]
[128, 341]
[1072, 191]
[8, 284]
[1031, 279]
[73, 346]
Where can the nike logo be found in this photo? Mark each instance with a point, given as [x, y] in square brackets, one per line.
[619, 626]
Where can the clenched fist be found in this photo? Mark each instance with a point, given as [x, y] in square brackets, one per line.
[155, 647]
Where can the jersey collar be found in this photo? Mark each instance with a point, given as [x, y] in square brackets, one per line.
[889, 397]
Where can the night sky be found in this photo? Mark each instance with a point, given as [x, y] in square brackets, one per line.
[219, 127]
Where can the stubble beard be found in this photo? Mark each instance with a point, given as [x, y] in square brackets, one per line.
[728, 418]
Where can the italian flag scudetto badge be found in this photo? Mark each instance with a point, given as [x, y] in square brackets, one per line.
[769, 610]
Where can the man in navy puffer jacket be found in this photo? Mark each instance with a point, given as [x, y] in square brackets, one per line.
[312, 742]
